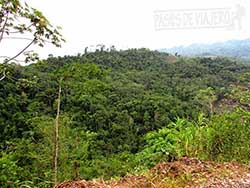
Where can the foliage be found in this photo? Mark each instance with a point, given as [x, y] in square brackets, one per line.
[119, 110]
[206, 97]
[222, 138]
[229, 140]
[9, 171]
[18, 18]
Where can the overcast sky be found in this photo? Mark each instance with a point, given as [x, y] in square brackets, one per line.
[140, 23]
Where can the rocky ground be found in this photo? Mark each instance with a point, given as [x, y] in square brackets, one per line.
[183, 173]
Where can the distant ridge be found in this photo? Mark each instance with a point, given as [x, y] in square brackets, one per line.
[231, 48]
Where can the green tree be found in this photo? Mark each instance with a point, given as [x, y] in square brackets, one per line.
[33, 24]
[206, 97]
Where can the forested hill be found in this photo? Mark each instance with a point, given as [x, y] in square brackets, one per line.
[232, 48]
[111, 101]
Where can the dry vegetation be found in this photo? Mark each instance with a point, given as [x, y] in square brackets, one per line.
[185, 172]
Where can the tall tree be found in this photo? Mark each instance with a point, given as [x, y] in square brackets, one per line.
[206, 97]
[56, 142]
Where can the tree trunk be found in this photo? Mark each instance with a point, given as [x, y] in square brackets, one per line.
[76, 173]
[56, 141]
[211, 106]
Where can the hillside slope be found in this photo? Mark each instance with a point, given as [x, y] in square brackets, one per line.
[120, 111]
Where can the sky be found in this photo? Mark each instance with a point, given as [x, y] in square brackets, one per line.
[151, 24]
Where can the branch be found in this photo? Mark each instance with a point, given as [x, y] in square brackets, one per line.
[14, 57]
[7, 57]
[4, 25]
[26, 28]
[4, 75]
[18, 38]
[25, 38]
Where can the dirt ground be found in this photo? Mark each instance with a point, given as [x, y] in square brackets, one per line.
[183, 173]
